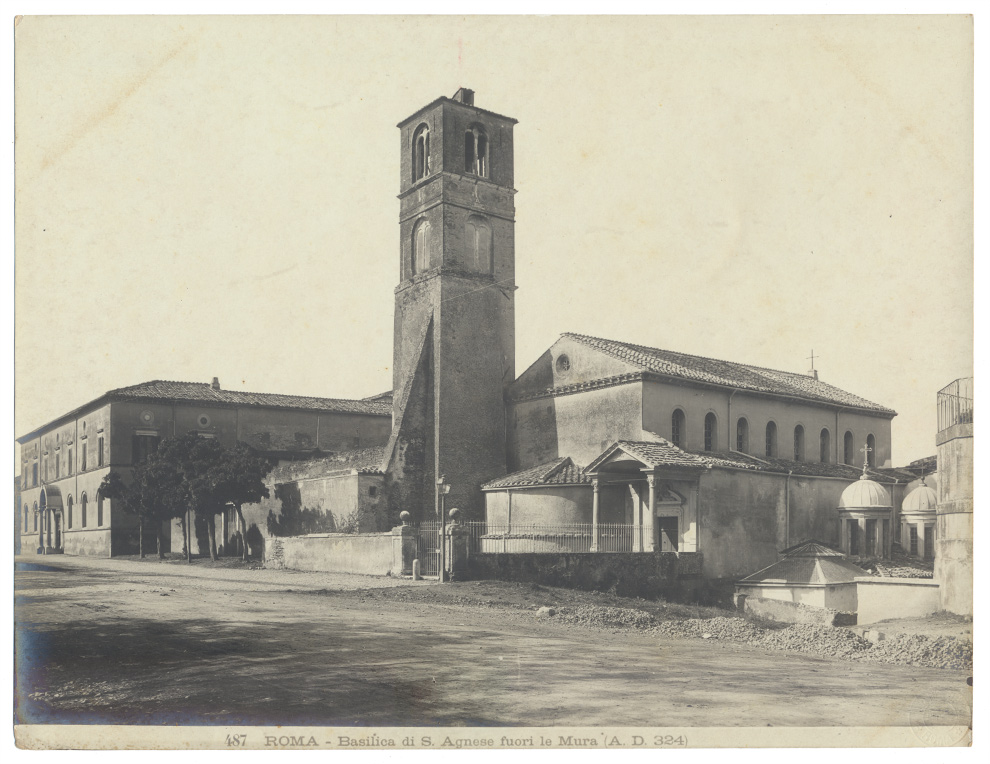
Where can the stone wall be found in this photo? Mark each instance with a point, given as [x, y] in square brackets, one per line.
[880, 599]
[628, 575]
[795, 612]
[363, 553]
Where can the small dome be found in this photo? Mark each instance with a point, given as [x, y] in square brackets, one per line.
[864, 494]
[921, 499]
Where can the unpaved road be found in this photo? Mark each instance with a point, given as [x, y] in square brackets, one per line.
[111, 641]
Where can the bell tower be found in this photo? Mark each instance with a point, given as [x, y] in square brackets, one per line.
[454, 345]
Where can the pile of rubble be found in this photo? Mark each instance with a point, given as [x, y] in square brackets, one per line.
[824, 641]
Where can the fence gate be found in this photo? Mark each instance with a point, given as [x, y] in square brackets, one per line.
[428, 548]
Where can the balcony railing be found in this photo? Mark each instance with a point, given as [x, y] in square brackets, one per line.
[955, 403]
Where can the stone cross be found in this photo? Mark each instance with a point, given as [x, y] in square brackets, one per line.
[866, 457]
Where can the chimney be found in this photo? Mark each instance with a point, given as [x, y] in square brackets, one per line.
[215, 384]
[464, 96]
[813, 373]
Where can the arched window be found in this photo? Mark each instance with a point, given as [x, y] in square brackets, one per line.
[99, 509]
[824, 446]
[771, 449]
[34, 514]
[421, 247]
[479, 244]
[871, 450]
[421, 153]
[82, 510]
[711, 432]
[847, 448]
[68, 512]
[742, 435]
[476, 151]
[677, 428]
[799, 444]
[34, 474]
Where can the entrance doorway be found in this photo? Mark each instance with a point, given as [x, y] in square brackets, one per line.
[668, 529]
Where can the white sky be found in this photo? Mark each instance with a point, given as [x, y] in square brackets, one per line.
[204, 196]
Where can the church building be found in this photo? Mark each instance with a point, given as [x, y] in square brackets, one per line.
[689, 455]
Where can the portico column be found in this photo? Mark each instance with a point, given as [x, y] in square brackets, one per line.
[594, 515]
[637, 508]
[649, 520]
[921, 538]
[878, 546]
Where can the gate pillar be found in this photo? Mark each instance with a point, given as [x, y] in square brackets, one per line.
[403, 546]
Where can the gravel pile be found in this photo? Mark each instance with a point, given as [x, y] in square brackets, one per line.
[824, 641]
[921, 650]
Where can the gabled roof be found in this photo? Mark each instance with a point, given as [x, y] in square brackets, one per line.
[659, 453]
[739, 376]
[809, 562]
[165, 391]
[362, 461]
[561, 471]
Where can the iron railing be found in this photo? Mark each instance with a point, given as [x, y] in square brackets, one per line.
[515, 538]
[955, 403]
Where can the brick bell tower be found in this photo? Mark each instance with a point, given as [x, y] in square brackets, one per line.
[454, 345]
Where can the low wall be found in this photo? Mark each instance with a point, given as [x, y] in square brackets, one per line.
[640, 574]
[795, 612]
[365, 553]
[883, 598]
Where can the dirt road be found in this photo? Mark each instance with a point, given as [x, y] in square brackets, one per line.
[109, 641]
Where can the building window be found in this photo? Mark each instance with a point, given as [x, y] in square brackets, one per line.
[677, 428]
[847, 448]
[83, 457]
[871, 450]
[82, 510]
[68, 512]
[742, 435]
[421, 247]
[34, 474]
[799, 444]
[771, 439]
[563, 363]
[143, 446]
[58, 465]
[69, 465]
[372, 491]
[26, 517]
[476, 151]
[711, 432]
[824, 446]
[913, 532]
[421, 153]
[479, 244]
[34, 514]
[99, 510]
[99, 451]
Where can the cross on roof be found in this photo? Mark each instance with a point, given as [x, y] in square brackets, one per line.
[812, 358]
[866, 456]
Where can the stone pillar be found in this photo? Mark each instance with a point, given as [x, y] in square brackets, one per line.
[594, 515]
[920, 525]
[637, 508]
[403, 546]
[651, 513]
[862, 536]
[457, 540]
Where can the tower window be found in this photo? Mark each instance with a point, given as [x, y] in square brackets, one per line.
[847, 448]
[677, 428]
[479, 244]
[421, 247]
[824, 446]
[799, 444]
[871, 450]
[711, 432]
[421, 153]
[771, 443]
[476, 151]
[742, 435]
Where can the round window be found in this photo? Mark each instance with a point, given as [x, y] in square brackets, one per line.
[147, 417]
[204, 420]
[563, 364]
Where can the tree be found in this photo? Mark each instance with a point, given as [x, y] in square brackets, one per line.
[238, 478]
[128, 497]
[193, 458]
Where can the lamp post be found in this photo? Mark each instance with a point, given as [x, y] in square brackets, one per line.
[442, 490]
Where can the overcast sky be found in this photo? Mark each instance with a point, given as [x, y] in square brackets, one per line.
[204, 197]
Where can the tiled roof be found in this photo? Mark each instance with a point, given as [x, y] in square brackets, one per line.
[365, 461]
[728, 373]
[808, 563]
[561, 471]
[162, 390]
[660, 453]
[809, 469]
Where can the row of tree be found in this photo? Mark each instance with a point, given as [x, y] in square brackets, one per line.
[190, 473]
